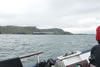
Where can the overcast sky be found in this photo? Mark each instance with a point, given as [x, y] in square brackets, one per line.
[76, 16]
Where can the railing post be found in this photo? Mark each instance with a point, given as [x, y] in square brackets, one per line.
[38, 60]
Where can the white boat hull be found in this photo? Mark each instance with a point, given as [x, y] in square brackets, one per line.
[75, 58]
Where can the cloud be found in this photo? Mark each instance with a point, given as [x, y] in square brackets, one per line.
[88, 30]
[75, 15]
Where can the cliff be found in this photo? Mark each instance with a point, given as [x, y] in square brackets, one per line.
[31, 30]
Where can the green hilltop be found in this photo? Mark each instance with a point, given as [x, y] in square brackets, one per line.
[31, 30]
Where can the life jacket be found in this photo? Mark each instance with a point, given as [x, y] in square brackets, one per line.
[95, 56]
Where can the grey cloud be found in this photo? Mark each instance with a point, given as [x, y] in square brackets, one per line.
[55, 13]
[70, 7]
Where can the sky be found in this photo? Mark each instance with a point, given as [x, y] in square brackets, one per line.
[76, 16]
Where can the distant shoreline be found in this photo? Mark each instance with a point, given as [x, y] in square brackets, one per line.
[32, 30]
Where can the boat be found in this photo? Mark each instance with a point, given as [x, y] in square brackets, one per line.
[73, 59]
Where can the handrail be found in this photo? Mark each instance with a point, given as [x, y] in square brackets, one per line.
[31, 55]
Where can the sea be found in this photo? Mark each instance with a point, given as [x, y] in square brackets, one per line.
[17, 45]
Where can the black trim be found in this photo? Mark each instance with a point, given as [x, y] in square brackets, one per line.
[85, 51]
[14, 62]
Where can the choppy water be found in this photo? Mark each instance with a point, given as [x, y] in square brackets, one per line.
[51, 45]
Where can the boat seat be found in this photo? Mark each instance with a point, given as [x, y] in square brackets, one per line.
[14, 62]
[83, 63]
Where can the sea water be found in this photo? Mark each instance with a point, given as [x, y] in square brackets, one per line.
[52, 45]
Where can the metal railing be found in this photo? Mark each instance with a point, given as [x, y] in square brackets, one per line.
[31, 55]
